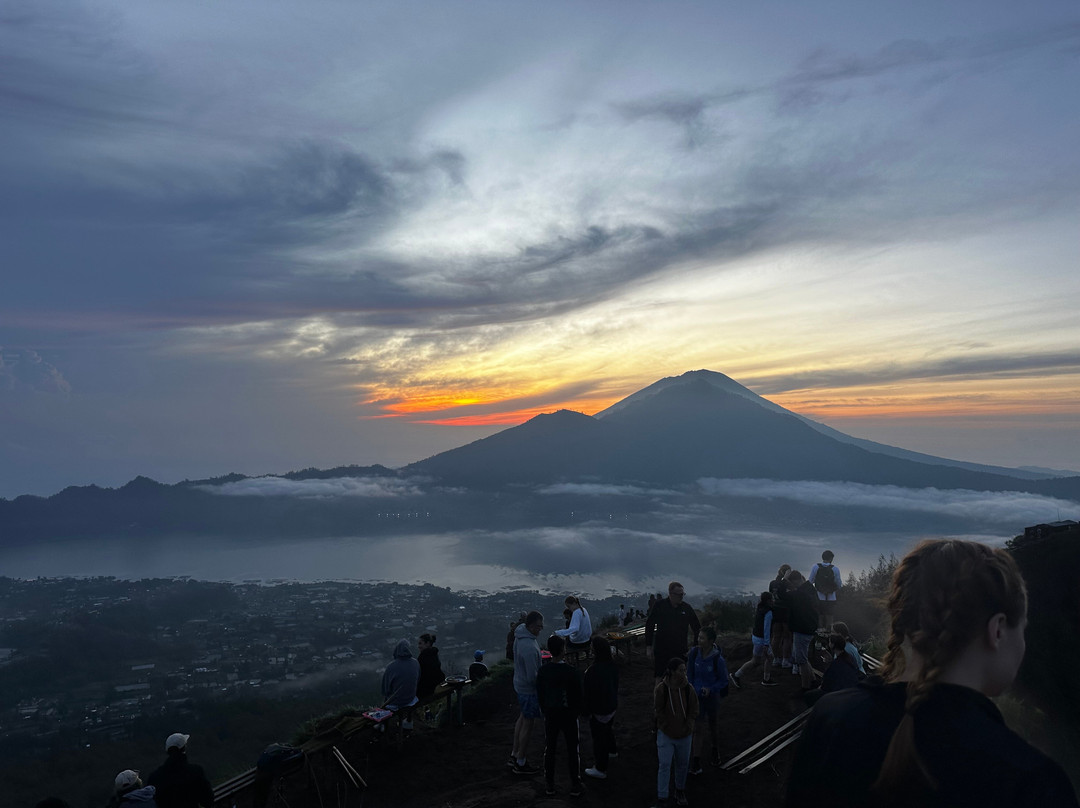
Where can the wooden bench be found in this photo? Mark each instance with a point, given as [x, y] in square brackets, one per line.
[622, 639]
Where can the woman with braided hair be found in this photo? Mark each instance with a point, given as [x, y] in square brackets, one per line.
[926, 732]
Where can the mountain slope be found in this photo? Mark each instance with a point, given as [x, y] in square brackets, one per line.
[700, 424]
[726, 384]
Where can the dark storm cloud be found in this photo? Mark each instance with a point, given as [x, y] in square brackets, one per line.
[983, 366]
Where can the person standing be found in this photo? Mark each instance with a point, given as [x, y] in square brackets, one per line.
[558, 689]
[526, 668]
[675, 709]
[671, 624]
[761, 643]
[180, 784]
[781, 631]
[803, 617]
[927, 733]
[826, 580]
[601, 700]
[707, 671]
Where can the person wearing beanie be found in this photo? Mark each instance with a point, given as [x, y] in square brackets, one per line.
[180, 784]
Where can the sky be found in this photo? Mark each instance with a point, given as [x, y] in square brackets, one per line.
[259, 237]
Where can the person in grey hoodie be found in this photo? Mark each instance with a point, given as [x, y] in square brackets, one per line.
[526, 666]
[400, 678]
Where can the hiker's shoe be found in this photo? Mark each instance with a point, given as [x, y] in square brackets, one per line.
[785, 663]
[594, 772]
[680, 798]
[794, 668]
[715, 758]
[696, 770]
[525, 770]
[695, 765]
[661, 802]
[511, 762]
[734, 677]
[550, 790]
[612, 755]
[769, 682]
[575, 790]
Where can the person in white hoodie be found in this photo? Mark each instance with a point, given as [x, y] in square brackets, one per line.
[579, 632]
[526, 666]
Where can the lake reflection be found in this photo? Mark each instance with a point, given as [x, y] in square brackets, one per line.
[591, 561]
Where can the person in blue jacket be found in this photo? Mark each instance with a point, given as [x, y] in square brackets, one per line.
[708, 674]
[762, 641]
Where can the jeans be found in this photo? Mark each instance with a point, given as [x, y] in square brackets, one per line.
[665, 748]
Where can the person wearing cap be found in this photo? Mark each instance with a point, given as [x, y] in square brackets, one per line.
[478, 670]
[130, 791]
[180, 784]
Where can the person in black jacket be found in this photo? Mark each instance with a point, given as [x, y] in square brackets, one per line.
[431, 672]
[558, 689]
[926, 733]
[803, 619]
[180, 784]
[601, 700]
[670, 627]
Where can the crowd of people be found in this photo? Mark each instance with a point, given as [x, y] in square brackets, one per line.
[923, 733]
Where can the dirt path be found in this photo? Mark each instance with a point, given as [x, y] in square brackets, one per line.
[465, 767]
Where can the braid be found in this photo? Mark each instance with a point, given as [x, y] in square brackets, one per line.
[942, 594]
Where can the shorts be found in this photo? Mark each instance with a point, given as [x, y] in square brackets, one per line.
[800, 648]
[530, 705]
[761, 648]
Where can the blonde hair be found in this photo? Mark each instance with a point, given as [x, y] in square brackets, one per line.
[943, 593]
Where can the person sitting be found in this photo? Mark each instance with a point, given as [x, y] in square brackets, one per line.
[130, 792]
[926, 733]
[478, 670]
[399, 683]
[840, 674]
[431, 672]
[578, 632]
[842, 629]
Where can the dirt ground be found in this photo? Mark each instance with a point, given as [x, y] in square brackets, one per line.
[465, 767]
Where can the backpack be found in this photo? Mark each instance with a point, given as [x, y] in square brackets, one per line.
[826, 584]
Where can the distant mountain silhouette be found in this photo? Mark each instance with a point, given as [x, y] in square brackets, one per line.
[700, 424]
[665, 438]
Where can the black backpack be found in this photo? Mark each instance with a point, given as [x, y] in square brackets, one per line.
[825, 580]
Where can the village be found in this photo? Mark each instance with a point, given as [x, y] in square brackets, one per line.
[152, 647]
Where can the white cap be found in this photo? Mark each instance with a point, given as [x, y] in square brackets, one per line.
[177, 740]
[127, 779]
